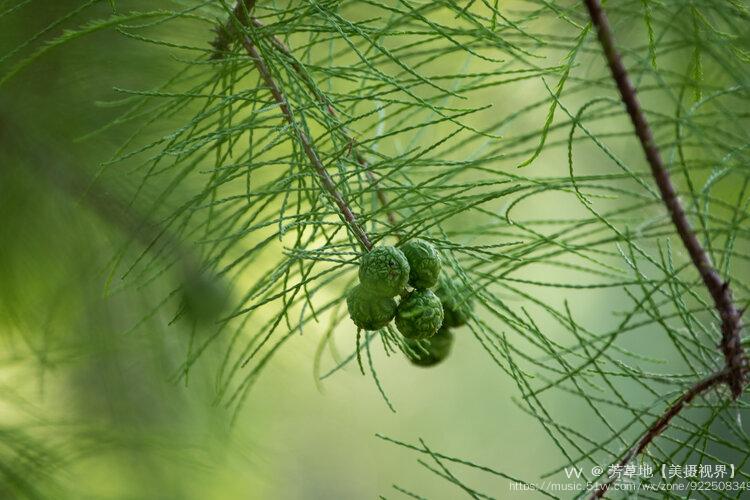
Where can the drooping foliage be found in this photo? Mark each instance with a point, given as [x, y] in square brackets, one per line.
[491, 129]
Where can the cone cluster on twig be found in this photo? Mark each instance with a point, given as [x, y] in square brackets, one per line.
[429, 305]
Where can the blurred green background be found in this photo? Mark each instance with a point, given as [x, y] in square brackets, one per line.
[89, 406]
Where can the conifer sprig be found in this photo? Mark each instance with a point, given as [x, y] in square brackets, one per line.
[735, 370]
[719, 289]
[568, 261]
[307, 145]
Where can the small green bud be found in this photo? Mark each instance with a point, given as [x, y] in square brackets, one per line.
[424, 263]
[384, 271]
[419, 315]
[438, 348]
[370, 311]
[457, 304]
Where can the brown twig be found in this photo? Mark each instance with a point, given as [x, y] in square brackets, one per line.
[328, 106]
[734, 372]
[228, 32]
[225, 33]
[731, 317]
[663, 421]
[325, 179]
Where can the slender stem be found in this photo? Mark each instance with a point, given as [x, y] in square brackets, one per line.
[228, 32]
[731, 317]
[382, 198]
[328, 106]
[325, 179]
[663, 421]
[735, 369]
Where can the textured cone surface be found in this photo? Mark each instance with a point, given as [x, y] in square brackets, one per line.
[384, 271]
[438, 348]
[424, 263]
[457, 305]
[368, 311]
[419, 315]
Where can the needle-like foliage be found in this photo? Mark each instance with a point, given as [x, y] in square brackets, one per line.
[491, 129]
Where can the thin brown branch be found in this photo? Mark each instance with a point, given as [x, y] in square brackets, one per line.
[325, 179]
[663, 421]
[328, 106]
[721, 293]
[226, 33]
[735, 370]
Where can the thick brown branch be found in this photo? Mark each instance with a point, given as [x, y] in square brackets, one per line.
[721, 293]
[312, 155]
[663, 421]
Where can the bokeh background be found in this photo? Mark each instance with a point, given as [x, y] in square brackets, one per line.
[91, 402]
